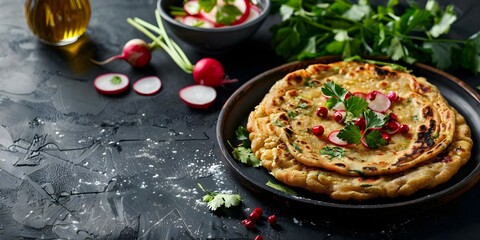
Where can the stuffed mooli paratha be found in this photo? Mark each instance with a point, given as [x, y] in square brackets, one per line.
[283, 166]
[291, 107]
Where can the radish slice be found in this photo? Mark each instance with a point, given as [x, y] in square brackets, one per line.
[380, 103]
[197, 22]
[148, 86]
[242, 5]
[198, 96]
[333, 138]
[192, 7]
[111, 83]
[254, 13]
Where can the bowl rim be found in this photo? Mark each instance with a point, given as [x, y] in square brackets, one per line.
[266, 7]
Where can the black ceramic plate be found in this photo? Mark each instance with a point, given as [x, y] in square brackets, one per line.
[239, 105]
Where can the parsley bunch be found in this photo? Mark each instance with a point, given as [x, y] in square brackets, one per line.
[314, 28]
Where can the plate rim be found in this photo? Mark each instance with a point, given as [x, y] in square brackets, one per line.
[445, 194]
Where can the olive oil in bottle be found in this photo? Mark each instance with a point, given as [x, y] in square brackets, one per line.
[57, 22]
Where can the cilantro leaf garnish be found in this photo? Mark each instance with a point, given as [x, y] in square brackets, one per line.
[374, 139]
[350, 134]
[355, 105]
[243, 152]
[332, 151]
[245, 155]
[242, 135]
[331, 89]
[372, 120]
[215, 200]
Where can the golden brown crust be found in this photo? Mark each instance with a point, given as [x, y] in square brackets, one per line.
[421, 107]
[438, 144]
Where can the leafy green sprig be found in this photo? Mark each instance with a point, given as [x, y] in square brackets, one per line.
[372, 136]
[243, 152]
[313, 28]
[356, 107]
[215, 200]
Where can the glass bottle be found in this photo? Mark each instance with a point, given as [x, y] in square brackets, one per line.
[57, 22]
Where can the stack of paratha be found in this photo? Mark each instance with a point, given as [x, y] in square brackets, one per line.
[437, 144]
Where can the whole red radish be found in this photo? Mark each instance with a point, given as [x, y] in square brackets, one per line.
[136, 52]
[210, 72]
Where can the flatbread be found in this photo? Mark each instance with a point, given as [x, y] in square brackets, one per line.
[276, 158]
[292, 101]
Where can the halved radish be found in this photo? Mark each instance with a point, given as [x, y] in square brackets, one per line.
[333, 138]
[192, 7]
[197, 22]
[242, 5]
[198, 96]
[379, 103]
[111, 83]
[147, 86]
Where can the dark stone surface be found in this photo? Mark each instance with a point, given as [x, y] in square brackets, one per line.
[80, 165]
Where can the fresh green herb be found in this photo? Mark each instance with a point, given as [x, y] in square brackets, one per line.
[245, 155]
[243, 135]
[281, 188]
[355, 105]
[298, 148]
[243, 152]
[292, 114]
[215, 200]
[226, 14]
[350, 133]
[410, 33]
[277, 123]
[373, 138]
[115, 80]
[333, 151]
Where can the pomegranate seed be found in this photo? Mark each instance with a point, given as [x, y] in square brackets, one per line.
[254, 216]
[403, 129]
[392, 96]
[392, 126]
[338, 116]
[322, 112]
[258, 237]
[360, 122]
[248, 223]
[258, 210]
[272, 219]
[386, 137]
[393, 117]
[318, 130]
